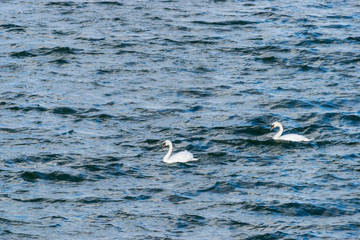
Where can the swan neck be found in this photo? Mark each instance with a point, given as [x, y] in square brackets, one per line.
[166, 157]
[279, 133]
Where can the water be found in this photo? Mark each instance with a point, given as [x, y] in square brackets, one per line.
[90, 90]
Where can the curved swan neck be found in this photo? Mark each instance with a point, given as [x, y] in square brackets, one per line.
[281, 130]
[166, 157]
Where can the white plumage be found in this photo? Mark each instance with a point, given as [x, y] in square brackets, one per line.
[180, 157]
[287, 137]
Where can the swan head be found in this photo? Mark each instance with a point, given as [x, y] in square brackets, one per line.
[166, 143]
[275, 125]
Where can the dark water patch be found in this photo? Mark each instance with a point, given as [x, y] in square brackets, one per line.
[190, 221]
[109, 3]
[240, 184]
[43, 158]
[62, 4]
[33, 176]
[39, 200]
[194, 93]
[92, 110]
[104, 166]
[57, 50]
[60, 61]
[12, 222]
[108, 71]
[92, 168]
[353, 39]
[269, 236]
[125, 215]
[63, 32]
[220, 187]
[137, 198]
[309, 42]
[200, 70]
[201, 42]
[117, 169]
[13, 27]
[329, 177]
[64, 110]
[296, 209]
[124, 45]
[235, 224]
[22, 54]
[9, 234]
[219, 155]
[260, 52]
[37, 108]
[269, 60]
[225, 23]
[93, 39]
[11, 130]
[338, 26]
[92, 200]
[45, 52]
[98, 117]
[351, 119]
[175, 198]
[195, 108]
[290, 104]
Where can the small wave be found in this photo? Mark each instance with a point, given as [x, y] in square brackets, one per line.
[353, 39]
[194, 93]
[268, 60]
[177, 198]
[13, 28]
[64, 110]
[191, 221]
[45, 52]
[11, 222]
[57, 176]
[289, 103]
[265, 236]
[296, 209]
[225, 23]
[22, 54]
[109, 3]
[40, 200]
[37, 108]
[220, 187]
[60, 61]
[91, 200]
[137, 198]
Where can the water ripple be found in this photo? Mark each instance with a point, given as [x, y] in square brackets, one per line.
[90, 90]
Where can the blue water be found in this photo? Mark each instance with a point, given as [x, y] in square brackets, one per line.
[90, 90]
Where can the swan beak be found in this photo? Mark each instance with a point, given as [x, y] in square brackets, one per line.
[272, 127]
[164, 145]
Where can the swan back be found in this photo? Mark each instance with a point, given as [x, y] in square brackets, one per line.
[294, 138]
[181, 157]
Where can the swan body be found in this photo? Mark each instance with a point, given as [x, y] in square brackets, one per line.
[287, 137]
[180, 157]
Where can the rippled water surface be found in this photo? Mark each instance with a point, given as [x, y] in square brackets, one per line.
[90, 90]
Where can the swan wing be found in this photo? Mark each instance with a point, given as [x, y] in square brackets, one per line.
[181, 157]
[294, 138]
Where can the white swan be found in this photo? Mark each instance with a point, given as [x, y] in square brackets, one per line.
[179, 157]
[287, 137]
